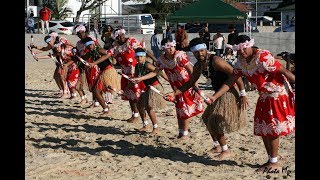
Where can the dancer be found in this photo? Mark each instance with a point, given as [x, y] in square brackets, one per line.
[107, 76]
[149, 100]
[64, 52]
[51, 39]
[87, 75]
[275, 114]
[222, 116]
[123, 51]
[178, 69]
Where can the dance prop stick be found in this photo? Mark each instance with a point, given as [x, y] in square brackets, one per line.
[168, 98]
[33, 54]
[125, 76]
[206, 99]
[31, 39]
[54, 59]
[120, 93]
[74, 51]
[82, 60]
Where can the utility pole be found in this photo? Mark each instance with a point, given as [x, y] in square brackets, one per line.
[256, 13]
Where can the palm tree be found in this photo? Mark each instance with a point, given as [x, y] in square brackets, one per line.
[59, 9]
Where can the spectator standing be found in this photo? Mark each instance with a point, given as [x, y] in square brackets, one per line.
[30, 24]
[169, 34]
[155, 44]
[233, 34]
[95, 27]
[218, 42]
[206, 37]
[182, 40]
[45, 16]
[107, 37]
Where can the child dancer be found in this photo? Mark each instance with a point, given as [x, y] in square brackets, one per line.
[149, 100]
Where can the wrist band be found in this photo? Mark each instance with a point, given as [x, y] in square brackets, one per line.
[243, 92]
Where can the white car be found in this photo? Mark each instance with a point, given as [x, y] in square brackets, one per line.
[59, 26]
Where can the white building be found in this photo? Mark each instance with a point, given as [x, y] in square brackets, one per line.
[110, 7]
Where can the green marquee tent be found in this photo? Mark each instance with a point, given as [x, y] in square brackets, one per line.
[208, 11]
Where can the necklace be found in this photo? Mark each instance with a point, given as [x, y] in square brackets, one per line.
[141, 69]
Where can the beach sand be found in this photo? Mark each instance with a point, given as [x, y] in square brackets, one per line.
[64, 140]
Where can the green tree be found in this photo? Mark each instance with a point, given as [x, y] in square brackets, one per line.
[161, 8]
[88, 5]
[58, 8]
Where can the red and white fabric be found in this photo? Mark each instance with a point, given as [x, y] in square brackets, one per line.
[275, 109]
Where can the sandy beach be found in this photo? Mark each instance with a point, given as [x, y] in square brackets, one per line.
[65, 140]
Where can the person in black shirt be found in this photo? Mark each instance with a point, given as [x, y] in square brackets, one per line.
[226, 115]
[233, 35]
[206, 37]
[108, 75]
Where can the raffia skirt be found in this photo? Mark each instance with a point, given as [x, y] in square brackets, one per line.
[150, 99]
[108, 77]
[225, 114]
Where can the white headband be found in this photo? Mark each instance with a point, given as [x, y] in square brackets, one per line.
[240, 46]
[57, 45]
[140, 54]
[54, 34]
[80, 28]
[88, 43]
[168, 45]
[198, 47]
[119, 32]
[49, 39]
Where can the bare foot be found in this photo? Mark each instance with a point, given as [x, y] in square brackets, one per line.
[224, 155]
[144, 128]
[104, 113]
[183, 137]
[269, 167]
[132, 120]
[73, 97]
[216, 149]
[155, 131]
[93, 105]
[83, 101]
[65, 96]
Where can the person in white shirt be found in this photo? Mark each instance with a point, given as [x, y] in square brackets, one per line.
[219, 42]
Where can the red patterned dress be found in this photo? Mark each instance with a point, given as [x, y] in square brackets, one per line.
[125, 56]
[91, 73]
[189, 103]
[73, 70]
[275, 109]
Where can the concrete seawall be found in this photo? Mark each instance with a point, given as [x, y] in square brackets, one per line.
[276, 42]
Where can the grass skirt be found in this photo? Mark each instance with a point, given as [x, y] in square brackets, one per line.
[150, 99]
[225, 114]
[108, 77]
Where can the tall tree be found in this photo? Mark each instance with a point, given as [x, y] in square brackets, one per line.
[59, 9]
[160, 8]
[88, 5]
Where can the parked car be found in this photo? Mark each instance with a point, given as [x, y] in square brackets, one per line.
[290, 28]
[59, 26]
